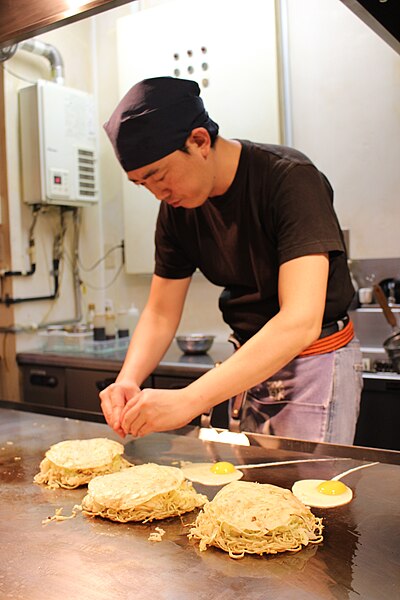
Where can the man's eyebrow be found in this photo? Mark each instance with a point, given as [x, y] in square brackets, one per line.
[147, 175]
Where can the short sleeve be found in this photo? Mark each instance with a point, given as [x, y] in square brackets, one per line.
[171, 261]
[303, 215]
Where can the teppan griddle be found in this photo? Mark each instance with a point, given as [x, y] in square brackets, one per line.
[93, 559]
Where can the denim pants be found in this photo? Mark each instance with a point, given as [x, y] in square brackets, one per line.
[313, 398]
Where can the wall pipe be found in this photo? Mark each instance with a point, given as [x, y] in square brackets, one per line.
[77, 291]
[48, 51]
[281, 11]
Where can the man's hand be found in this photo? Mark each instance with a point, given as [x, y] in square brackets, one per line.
[113, 399]
[157, 410]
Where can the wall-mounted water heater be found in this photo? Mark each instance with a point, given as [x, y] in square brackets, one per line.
[58, 145]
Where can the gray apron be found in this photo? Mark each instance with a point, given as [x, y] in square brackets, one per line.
[312, 398]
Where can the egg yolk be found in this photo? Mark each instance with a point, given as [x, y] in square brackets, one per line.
[331, 488]
[222, 468]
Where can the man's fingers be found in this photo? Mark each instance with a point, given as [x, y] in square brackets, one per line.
[106, 407]
[130, 404]
[120, 432]
[144, 430]
[133, 420]
[112, 403]
[118, 403]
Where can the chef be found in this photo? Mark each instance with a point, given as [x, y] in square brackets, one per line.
[257, 220]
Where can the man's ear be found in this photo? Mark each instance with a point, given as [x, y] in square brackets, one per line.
[200, 138]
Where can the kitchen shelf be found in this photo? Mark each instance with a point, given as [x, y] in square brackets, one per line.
[374, 308]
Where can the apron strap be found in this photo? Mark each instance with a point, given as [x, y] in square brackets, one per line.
[331, 342]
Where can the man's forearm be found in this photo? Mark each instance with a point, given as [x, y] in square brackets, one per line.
[262, 356]
[156, 328]
[302, 296]
[152, 337]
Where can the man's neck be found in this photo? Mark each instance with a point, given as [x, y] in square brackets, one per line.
[226, 157]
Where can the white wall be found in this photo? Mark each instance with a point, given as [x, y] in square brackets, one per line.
[345, 84]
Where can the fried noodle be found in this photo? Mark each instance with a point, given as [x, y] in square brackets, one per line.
[252, 518]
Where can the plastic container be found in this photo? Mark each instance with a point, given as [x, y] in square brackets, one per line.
[60, 341]
[52, 340]
[75, 341]
[106, 346]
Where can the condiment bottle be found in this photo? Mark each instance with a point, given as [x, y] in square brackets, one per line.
[123, 323]
[99, 327]
[91, 310]
[110, 323]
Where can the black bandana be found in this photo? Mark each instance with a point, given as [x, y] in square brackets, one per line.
[154, 119]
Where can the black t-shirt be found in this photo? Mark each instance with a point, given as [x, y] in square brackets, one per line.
[278, 207]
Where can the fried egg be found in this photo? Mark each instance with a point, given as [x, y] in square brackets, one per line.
[319, 493]
[218, 473]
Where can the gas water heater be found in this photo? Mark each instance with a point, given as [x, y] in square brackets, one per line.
[58, 145]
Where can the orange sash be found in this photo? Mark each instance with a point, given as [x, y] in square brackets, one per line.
[330, 342]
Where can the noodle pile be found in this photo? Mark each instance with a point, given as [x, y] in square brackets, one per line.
[141, 493]
[254, 518]
[72, 463]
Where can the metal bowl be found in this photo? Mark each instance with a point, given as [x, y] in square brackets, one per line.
[195, 343]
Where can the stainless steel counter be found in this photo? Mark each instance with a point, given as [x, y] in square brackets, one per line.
[173, 363]
[94, 559]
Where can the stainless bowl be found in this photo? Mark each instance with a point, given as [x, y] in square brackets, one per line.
[195, 343]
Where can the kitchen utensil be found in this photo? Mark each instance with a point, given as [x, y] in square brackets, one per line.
[205, 418]
[290, 462]
[195, 343]
[394, 354]
[392, 343]
[391, 289]
[209, 434]
[237, 402]
[236, 411]
[339, 477]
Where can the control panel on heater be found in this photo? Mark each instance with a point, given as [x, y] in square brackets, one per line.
[58, 145]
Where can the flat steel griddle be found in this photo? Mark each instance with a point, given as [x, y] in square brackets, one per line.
[95, 559]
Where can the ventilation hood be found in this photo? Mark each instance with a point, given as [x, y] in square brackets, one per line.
[381, 16]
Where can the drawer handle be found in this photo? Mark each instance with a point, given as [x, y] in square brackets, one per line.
[43, 380]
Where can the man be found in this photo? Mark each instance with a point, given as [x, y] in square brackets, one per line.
[257, 220]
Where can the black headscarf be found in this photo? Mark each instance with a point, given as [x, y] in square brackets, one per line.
[154, 119]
